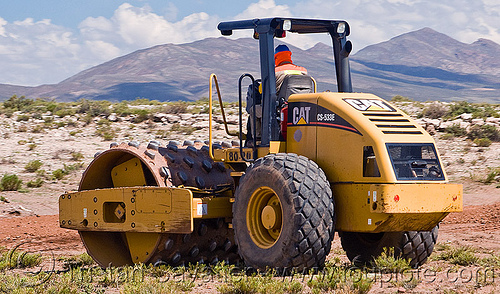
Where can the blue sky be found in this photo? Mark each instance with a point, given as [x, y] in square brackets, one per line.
[44, 42]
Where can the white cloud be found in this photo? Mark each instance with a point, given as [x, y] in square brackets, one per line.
[53, 53]
[104, 49]
[3, 22]
[268, 8]
[91, 25]
[264, 8]
[374, 21]
[131, 28]
[170, 11]
[34, 52]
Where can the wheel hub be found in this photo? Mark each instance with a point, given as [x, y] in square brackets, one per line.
[264, 217]
[269, 217]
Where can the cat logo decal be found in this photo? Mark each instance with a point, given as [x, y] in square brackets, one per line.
[369, 104]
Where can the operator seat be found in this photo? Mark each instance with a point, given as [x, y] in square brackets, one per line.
[295, 84]
[292, 84]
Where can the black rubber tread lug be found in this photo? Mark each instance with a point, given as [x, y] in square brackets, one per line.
[414, 246]
[134, 144]
[189, 161]
[419, 245]
[153, 145]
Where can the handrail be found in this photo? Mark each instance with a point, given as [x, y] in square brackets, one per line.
[213, 78]
[314, 82]
[253, 118]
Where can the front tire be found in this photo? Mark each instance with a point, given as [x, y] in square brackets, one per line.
[283, 215]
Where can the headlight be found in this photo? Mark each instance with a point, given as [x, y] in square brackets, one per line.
[340, 27]
[287, 25]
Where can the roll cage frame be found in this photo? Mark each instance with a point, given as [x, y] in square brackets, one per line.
[265, 30]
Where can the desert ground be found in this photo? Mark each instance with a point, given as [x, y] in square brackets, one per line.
[29, 215]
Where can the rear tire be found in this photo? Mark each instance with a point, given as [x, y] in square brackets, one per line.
[414, 246]
[283, 215]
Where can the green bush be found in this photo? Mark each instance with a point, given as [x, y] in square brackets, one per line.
[76, 261]
[17, 103]
[334, 279]
[94, 108]
[490, 177]
[175, 107]
[447, 136]
[461, 107]
[37, 129]
[35, 183]
[483, 142]
[484, 131]
[18, 259]
[387, 261]
[122, 109]
[72, 167]
[141, 115]
[435, 110]
[10, 183]
[260, 284]
[458, 255]
[106, 133]
[64, 112]
[399, 98]
[76, 156]
[456, 130]
[23, 117]
[59, 174]
[33, 166]
[144, 101]
[478, 110]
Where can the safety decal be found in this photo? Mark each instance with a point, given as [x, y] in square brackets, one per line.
[369, 104]
[309, 114]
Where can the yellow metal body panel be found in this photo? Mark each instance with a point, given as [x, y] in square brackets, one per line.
[138, 209]
[394, 207]
[147, 209]
[301, 136]
[141, 245]
[277, 147]
[128, 174]
[334, 128]
[212, 207]
[335, 140]
[415, 198]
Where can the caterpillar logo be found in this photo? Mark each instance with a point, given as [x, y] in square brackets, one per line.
[306, 114]
[369, 105]
[300, 115]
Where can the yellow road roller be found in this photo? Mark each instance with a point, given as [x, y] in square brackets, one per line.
[310, 163]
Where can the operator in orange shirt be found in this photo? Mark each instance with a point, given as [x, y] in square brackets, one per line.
[284, 65]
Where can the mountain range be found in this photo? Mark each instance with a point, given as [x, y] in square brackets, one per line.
[422, 65]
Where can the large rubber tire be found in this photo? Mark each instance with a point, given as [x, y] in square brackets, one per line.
[414, 246]
[305, 225]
